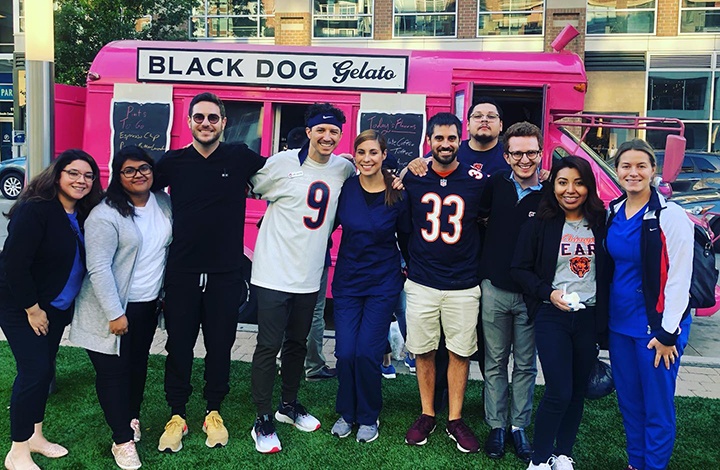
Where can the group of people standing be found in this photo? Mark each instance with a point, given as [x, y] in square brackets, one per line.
[553, 274]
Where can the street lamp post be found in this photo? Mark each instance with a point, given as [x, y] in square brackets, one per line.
[40, 76]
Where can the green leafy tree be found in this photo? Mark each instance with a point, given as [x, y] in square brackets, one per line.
[83, 27]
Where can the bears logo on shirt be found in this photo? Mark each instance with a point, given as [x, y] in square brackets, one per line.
[580, 265]
[477, 166]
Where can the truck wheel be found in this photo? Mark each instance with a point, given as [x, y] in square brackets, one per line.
[715, 227]
[11, 184]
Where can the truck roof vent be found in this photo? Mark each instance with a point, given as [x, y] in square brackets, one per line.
[685, 61]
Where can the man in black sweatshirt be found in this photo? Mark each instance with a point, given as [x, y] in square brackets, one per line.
[510, 198]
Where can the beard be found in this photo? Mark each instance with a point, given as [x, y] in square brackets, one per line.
[483, 138]
[445, 160]
[207, 142]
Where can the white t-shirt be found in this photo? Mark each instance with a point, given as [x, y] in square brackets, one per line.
[156, 231]
[290, 249]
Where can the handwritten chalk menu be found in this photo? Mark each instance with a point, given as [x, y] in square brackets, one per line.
[404, 133]
[146, 125]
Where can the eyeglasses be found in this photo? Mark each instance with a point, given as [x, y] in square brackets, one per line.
[76, 175]
[199, 118]
[130, 172]
[531, 154]
[479, 117]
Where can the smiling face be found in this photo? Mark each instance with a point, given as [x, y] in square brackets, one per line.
[205, 133]
[487, 128]
[570, 192]
[444, 143]
[369, 157]
[635, 172]
[141, 182]
[525, 169]
[73, 188]
[324, 138]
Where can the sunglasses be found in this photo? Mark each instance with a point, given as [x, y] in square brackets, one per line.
[199, 118]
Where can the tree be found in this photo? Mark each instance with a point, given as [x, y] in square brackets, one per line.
[83, 27]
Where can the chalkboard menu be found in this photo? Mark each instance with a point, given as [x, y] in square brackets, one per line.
[146, 125]
[404, 133]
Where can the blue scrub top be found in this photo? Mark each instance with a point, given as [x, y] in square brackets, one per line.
[368, 261]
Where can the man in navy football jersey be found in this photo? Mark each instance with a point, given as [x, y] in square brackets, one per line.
[442, 287]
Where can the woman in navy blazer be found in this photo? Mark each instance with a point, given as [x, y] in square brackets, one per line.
[41, 269]
[366, 285]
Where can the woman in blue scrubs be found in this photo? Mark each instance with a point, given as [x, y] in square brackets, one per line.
[650, 242]
[366, 284]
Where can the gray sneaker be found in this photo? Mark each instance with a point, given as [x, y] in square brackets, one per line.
[367, 433]
[341, 428]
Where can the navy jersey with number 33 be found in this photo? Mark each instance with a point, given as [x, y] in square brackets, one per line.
[445, 240]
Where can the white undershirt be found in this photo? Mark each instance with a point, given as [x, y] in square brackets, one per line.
[155, 230]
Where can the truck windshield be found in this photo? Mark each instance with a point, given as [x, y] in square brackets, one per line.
[602, 163]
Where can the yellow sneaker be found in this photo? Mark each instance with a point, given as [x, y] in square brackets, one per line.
[171, 439]
[217, 433]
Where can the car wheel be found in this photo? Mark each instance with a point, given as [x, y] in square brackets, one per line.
[11, 184]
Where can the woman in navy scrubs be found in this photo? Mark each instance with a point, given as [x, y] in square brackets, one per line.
[366, 285]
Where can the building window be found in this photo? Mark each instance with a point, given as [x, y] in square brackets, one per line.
[342, 18]
[221, 19]
[697, 16]
[425, 18]
[510, 17]
[690, 95]
[621, 16]
[6, 28]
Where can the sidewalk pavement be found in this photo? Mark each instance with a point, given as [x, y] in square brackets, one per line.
[699, 375]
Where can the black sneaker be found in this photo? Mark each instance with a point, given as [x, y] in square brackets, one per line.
[263, 433]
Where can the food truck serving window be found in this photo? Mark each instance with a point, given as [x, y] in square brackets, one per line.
[244, 123]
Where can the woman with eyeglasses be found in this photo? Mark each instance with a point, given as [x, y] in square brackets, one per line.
[558, 262]
[116, 314]
[42, 266]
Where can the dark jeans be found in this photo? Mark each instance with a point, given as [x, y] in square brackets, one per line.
[34, 357]
[212, 301]
[120, 380]
[566, 348]
[280, 315]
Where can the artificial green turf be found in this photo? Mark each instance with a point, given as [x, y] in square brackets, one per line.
[75, 420]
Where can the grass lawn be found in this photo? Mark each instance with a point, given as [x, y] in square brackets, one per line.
[75, 420]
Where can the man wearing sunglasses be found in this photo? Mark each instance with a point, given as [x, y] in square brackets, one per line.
[302, 187]
[204, 285]
[509, 199]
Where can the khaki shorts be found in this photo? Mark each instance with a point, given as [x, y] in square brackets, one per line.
[456, 310]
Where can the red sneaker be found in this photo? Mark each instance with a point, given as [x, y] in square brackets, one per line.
[420, 430]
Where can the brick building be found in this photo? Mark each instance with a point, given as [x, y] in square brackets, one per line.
[643, 57]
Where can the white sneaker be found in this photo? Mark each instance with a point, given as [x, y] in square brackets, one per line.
[137, 433]
[542, 466]
[563, 462]
[296, 414]
[126, 456]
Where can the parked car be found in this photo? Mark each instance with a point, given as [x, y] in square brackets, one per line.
[12, 177]
[700, 170]
[704, 203]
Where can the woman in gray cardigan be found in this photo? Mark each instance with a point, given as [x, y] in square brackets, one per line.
[116, 312]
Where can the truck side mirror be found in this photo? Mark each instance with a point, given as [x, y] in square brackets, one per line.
[674, 156]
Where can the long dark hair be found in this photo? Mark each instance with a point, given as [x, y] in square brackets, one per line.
[391, 195]
[593, 209]
[115, 196]
[44, 187]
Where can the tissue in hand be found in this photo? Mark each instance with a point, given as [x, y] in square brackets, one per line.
[573, 300]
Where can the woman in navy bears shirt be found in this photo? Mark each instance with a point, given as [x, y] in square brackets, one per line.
[41, 269]
[650, 242]
[366, 285]
[560, 251]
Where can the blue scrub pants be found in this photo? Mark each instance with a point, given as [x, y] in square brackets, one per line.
[646, 398]
[361, 328]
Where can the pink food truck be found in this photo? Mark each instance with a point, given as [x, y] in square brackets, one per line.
[138, 93]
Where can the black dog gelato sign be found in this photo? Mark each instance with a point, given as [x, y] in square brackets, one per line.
[298, 70]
